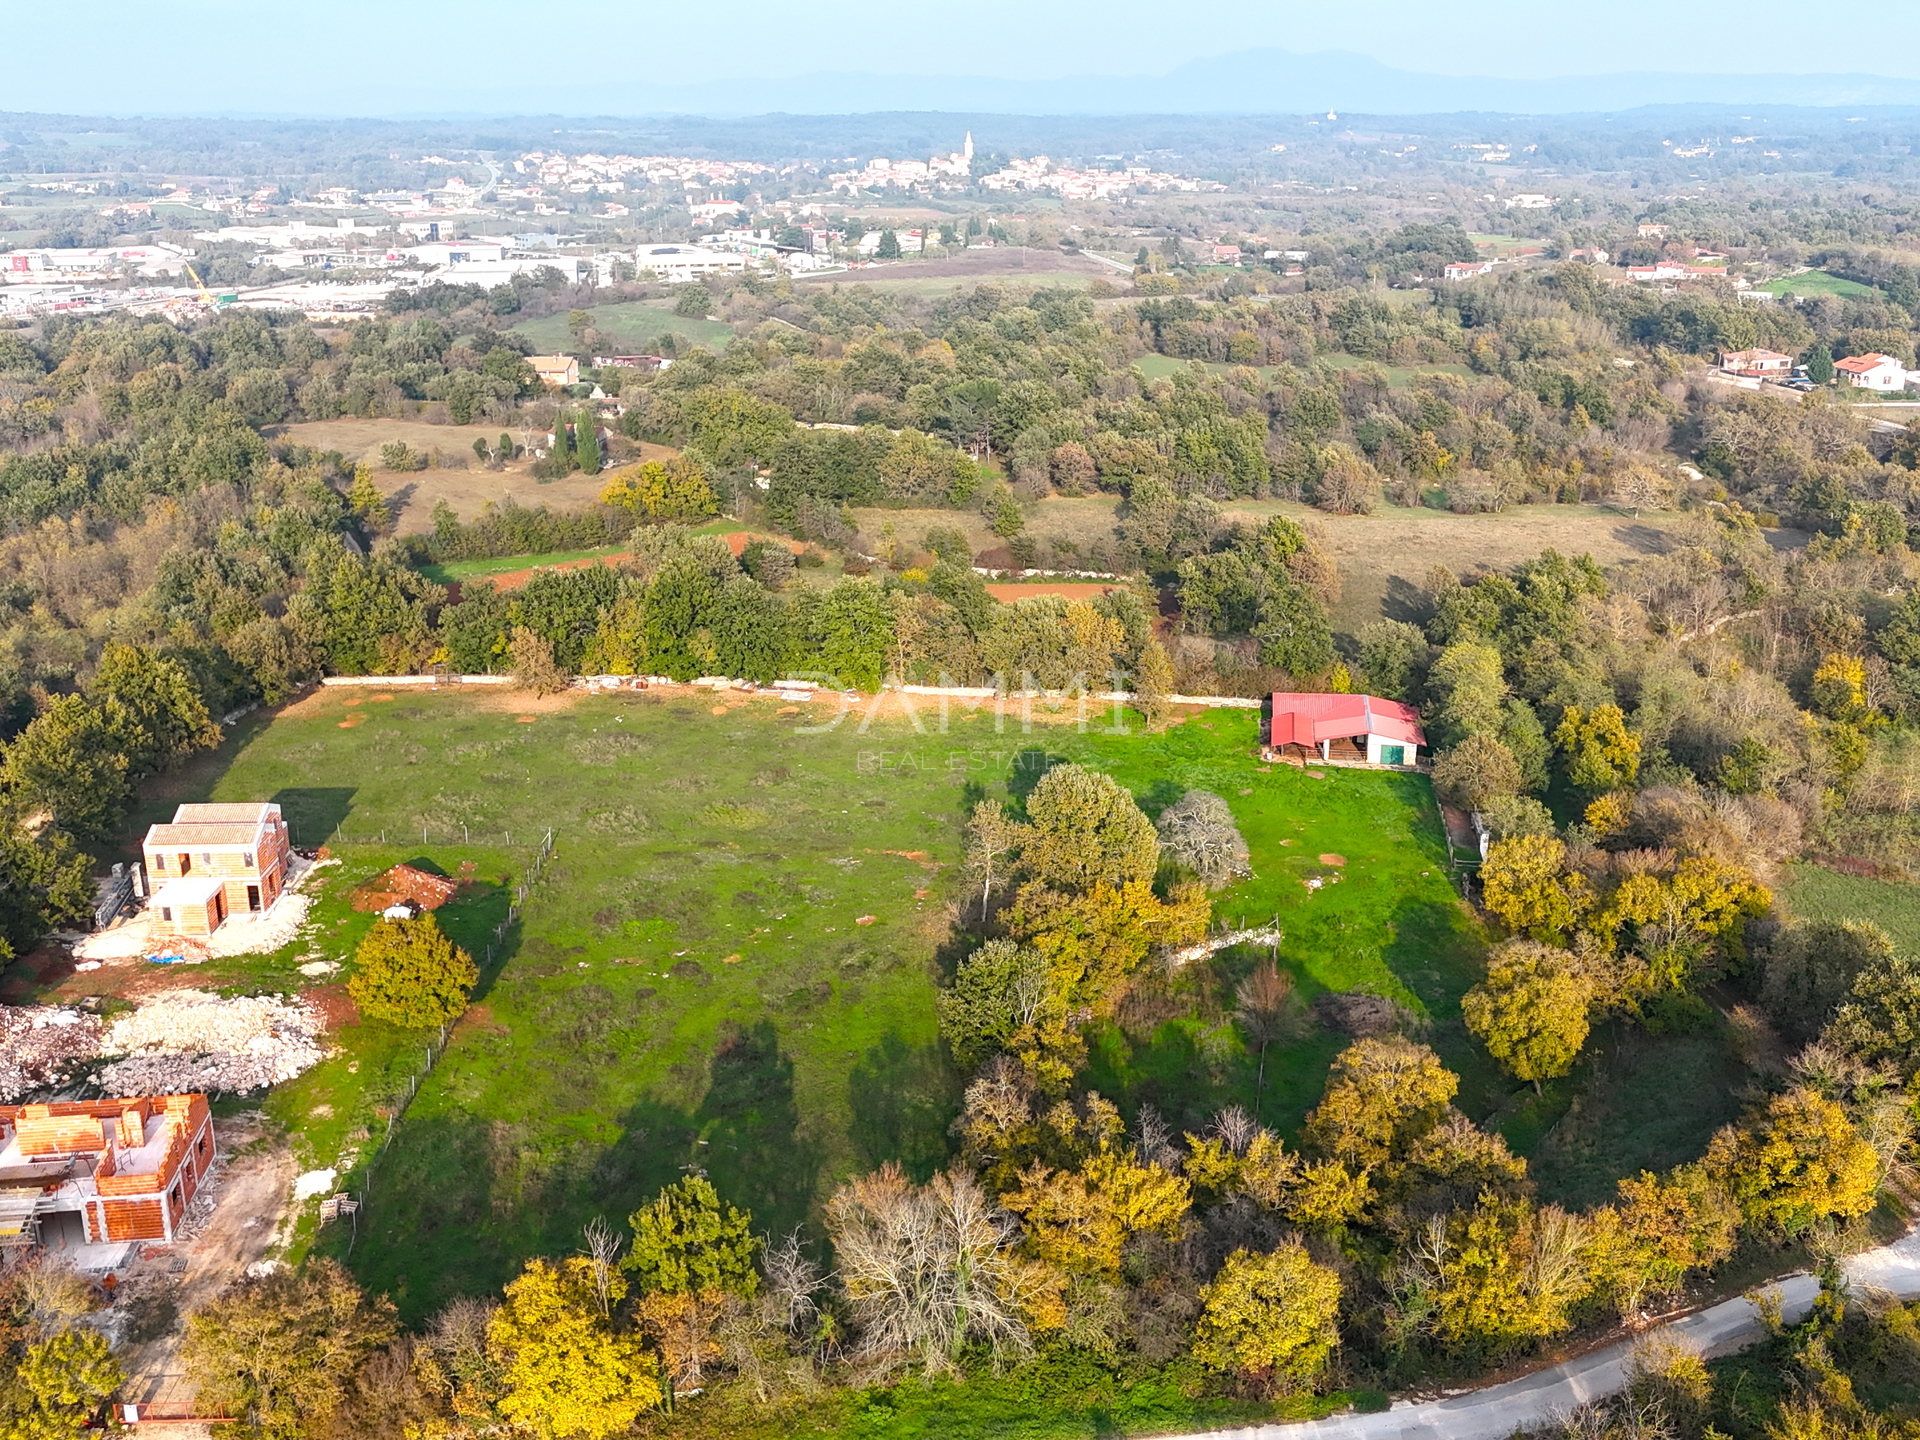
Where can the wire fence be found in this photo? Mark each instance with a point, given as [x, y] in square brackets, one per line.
[349, 1204]
[428, 834]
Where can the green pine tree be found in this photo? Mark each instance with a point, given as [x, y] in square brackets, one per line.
[586, 442]
[889, 246]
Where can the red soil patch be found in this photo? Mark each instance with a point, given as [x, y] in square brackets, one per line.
[525, 719]
[1333, 859]
[353, 720]
[514, 579]
[403, 882]
[738, 540]
[1072, 589]
[336, 1007]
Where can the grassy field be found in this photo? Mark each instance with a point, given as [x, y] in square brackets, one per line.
[1813, 892]
[1815, 282]
[693, 983]
[633, 325]
[731, 963]
[456, 570]
[1383, 557]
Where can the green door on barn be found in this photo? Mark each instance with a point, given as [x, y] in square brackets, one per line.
[1393, 754]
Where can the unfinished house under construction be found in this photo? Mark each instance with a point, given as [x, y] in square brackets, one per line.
[98, 1172]
[213, 861]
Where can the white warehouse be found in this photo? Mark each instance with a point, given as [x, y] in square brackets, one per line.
[687, 262]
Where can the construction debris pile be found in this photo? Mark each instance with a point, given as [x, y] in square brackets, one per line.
[43, 1048]
[190, 1040]
[405, 884]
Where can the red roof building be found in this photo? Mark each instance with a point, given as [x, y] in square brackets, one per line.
[1347, 727]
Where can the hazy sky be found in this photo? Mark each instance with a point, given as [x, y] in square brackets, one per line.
[225, 54]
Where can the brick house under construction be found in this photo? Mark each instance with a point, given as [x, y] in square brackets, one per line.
[101, 1171]
[212, 861]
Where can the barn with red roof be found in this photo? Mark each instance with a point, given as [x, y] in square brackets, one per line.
[1360, 729]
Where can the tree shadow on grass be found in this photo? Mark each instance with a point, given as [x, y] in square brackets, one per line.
[903, 1099]
[459, 1203]
[750, 1142]
[314, 812]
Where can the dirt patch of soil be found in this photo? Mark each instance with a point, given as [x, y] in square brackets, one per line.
[250, 1194]
[1335, 860]
[1071, 589]
[334, 1005]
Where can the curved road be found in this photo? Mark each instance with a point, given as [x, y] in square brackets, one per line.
[1537, 1399]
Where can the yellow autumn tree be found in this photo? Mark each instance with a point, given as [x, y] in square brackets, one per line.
[1531, 1010]
[1273, 1318]
[1079, 1220]
[1799, 1162]
[567, 1372]
[675, 489]
[1524, 881]
[1602, 754]
[1381, 1095]
[1840, 688]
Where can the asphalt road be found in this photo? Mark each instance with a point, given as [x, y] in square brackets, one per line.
[1538, 1399]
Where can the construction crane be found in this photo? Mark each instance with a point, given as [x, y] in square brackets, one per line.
[200, 285]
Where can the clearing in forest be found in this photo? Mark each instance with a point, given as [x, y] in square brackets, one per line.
[694, 982]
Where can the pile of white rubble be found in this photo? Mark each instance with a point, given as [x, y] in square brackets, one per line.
[190, 1040]
[43, 1047]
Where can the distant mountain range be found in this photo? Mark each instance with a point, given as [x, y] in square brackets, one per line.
[1251, 82]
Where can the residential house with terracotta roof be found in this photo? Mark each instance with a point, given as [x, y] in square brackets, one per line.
[1757, 364]
[1872, 372]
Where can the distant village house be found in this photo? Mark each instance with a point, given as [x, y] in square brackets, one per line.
[555, 369]
[1757, 364]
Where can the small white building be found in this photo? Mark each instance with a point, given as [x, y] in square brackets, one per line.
[1872, 372]
[1468, 269]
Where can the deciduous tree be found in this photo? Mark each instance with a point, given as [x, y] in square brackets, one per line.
[565, 1371]
[1525, 883]
[1199, 831]
[1086, 830]
[1272, 1317]
[279, 1351]
[1601, 753]
[408, 973]
[1798, 1162]
[1531, 1010]
[1381, 1095]
[927, 1271]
